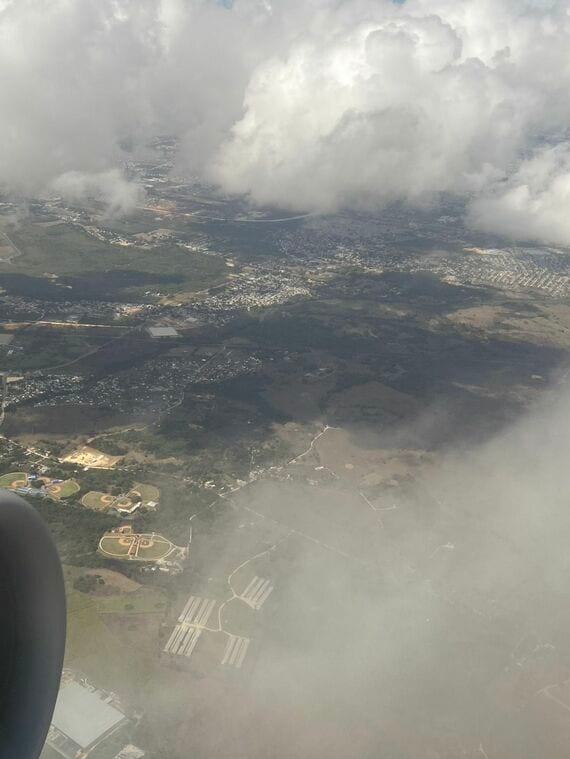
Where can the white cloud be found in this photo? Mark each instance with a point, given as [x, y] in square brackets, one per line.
[379, 111]
[533, 203]
[108, 187]
[71, 86]
[389, 102]
[313, 105]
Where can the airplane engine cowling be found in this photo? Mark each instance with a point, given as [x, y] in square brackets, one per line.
[32, 628]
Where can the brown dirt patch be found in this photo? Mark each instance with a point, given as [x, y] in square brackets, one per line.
[339, 452]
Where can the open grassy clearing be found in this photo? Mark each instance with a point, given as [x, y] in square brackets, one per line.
[115, 583]
[90, 645]
[103, 643]
[142, 601]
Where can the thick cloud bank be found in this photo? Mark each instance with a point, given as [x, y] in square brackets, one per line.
[314, 105]
[533, 202]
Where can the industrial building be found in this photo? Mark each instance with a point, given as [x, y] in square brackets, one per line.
[163, 332]
[83, 718]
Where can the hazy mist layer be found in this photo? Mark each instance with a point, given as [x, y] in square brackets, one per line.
[441, 630]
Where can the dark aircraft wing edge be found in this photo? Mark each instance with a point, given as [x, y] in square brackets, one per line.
[32, 628]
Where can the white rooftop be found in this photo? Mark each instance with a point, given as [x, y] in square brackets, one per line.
[162, 332]
[83, 716]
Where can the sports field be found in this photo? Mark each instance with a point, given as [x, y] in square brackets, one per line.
[14, 480]
[135, 547]
[63, 489]
[145, 493]
[103, 501]
[97, 501]
[122, 502]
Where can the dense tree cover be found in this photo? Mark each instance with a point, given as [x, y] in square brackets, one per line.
[111, 446]
[75, 529]
[115, 481]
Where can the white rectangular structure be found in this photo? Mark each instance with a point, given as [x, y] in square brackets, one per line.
[236, 649]
[163, 332]
[257, 592]
[192, 620]
[83, 716]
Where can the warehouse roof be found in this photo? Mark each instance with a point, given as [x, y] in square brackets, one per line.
[83, 715]
[162, 332]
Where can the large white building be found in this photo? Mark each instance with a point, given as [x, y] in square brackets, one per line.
[162, 332]
[82, 719]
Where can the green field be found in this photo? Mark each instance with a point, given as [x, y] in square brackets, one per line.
[145, 492]
[122, 502]
[89, 643]
[8, 480]
[111, 546]
[100, 501]
[67, 488]
[93, 266]
[113, 656]
[160, 548]
[96, 500]
[143, 601]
